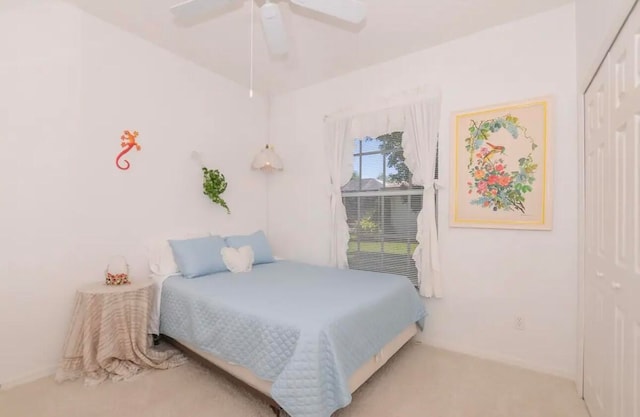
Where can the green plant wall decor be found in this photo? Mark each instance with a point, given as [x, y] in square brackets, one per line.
[214, 185]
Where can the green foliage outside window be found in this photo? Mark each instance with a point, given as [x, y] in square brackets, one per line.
[391, 144]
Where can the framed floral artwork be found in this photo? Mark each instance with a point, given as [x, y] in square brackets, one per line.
[501, 167]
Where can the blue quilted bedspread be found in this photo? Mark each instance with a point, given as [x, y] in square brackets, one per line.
[305, 328]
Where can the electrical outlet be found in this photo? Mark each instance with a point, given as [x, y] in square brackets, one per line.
[518, 323]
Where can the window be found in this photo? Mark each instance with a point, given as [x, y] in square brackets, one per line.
[382, 208]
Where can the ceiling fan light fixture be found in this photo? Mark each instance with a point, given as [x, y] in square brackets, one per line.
[353, 11]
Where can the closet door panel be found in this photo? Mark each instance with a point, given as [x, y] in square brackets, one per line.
[612, 216]
[621, 268]
[598, 235]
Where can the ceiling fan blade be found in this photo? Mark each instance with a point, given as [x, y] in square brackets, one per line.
[193, 8]
[273, 27]
[353, 11]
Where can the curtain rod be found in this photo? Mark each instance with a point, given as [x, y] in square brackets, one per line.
[420, 93]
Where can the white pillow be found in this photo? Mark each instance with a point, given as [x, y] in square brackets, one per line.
[161, 260]
[238, 260]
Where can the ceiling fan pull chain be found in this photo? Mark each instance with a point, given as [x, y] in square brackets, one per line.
[251, 50]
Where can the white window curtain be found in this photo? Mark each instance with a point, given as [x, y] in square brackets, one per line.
[420, 121]
[419, 144]
[339, 149]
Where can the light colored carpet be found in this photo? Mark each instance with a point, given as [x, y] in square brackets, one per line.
[419, 381]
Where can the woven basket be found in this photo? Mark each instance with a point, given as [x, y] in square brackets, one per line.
[119, 276]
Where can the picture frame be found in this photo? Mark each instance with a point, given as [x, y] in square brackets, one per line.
[501, 166]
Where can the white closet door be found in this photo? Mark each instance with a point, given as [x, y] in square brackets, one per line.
[625, 263]
[598, 349]
[612, 281]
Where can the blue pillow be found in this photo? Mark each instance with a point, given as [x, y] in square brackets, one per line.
[258, 242]
[200, 256]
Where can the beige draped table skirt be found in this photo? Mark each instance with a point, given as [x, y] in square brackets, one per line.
[108, 335]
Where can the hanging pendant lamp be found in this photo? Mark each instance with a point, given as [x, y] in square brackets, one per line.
[267, 160]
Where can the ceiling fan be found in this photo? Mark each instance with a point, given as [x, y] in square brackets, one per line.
[353, 11]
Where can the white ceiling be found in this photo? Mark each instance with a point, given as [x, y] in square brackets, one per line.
[321, 48]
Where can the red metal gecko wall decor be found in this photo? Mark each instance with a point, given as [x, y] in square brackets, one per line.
[128, 142]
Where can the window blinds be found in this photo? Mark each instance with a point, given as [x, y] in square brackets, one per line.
[382, 209]
[383, 232]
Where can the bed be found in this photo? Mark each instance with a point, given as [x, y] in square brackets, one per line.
[306, 336]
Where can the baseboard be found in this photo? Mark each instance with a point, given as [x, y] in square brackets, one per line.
[30, 377]
[505, 359]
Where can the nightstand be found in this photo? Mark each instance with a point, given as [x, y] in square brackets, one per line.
[108, 335]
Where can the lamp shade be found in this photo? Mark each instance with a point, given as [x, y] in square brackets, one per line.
[267, 160]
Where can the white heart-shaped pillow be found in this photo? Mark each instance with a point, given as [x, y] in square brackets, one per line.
[238, 260]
